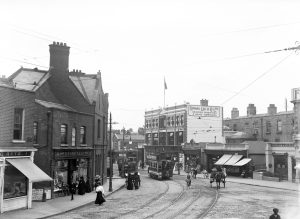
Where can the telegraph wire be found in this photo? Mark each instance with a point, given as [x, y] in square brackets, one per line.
[259, 77]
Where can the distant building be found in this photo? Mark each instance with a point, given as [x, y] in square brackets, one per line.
[184, 123]
[127, 142]
[272, 126]
[175, 126]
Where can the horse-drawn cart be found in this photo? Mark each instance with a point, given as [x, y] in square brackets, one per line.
[218, 177]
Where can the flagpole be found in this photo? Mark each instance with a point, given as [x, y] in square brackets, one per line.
[165, 87]
[164, 97]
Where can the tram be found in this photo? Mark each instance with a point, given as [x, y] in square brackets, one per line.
[128, 162]
[160, 166]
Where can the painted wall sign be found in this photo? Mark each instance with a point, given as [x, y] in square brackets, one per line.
[204, 111]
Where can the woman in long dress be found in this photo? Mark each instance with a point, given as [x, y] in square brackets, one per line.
[100, 195]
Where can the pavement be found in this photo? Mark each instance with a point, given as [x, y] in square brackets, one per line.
[64, 204]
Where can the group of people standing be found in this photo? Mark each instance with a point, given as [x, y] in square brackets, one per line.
[133, 181]
[80, 187]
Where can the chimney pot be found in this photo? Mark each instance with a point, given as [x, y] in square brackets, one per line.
[272, 109]
[59, 56]
[251, 110]
[234, 113]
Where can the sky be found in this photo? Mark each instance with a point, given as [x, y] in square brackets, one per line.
[212, 50]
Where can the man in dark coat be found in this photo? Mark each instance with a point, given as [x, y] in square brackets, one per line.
[72, 190]
[88, 186]
[275, 215]
[81, 186]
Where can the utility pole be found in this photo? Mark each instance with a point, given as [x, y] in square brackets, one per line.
[110, 159]
[123, 165]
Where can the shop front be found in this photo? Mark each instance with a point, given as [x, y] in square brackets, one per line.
[18, 173]
[69, 167]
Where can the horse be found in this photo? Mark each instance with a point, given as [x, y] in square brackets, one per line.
[217, 177]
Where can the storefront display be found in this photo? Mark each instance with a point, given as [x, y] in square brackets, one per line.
[15, 183]
[61, 174]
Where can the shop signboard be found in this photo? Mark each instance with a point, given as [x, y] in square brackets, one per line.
[204, 111]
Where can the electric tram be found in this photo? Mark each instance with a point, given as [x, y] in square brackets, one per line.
[161, 166]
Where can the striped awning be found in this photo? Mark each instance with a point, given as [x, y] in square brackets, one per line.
[242, 162]
[223, 159]
[233, 160]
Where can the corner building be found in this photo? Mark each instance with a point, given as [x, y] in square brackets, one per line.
[70, 120]
[181, 124]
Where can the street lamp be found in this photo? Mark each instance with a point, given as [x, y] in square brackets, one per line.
[111, 154]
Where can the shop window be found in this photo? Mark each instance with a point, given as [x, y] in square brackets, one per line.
[18, 124]
[15, 183]
[73, 137]
[82, 135]
[61, 174]
[63, 134]
[35, 133]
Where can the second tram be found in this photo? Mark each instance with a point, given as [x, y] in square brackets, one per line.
[160, 166]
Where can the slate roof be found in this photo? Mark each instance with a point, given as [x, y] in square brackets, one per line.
[28, 79]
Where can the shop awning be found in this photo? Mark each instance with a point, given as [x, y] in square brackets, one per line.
[235, 158]
[242, 162]
[29, 169]
[223, 159]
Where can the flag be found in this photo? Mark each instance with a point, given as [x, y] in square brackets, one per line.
[165, 84]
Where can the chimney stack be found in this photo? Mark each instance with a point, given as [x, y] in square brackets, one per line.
[272, 109]
[235, 113]
[251, 110]
[59, 56]
[204, 102]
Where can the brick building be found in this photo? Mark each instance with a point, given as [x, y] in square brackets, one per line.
[69, 120]
[181, 124]
[18, 171]
[272, 126]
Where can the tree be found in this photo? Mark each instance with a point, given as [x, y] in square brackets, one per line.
[141, 131]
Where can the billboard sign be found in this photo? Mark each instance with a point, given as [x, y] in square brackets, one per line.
[205, 111]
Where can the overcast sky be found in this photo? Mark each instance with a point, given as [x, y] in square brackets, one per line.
[205, 49]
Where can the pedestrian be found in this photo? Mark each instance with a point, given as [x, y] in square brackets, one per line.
[188, 180]
[72, 190]
[275, 214]
[136, 180]
[100, 194]
[88, 188]
[81, 186]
